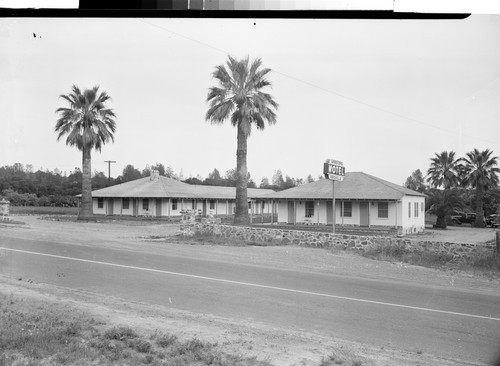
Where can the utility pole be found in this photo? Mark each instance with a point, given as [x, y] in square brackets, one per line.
[109, 169]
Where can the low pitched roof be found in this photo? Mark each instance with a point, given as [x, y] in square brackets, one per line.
[355, 186]
[167, 187]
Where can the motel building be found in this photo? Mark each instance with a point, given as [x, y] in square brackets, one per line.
[360, 200]
[162, 197]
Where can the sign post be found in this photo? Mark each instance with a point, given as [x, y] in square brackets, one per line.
[333, 170]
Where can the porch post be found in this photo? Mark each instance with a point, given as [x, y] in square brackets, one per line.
[294, 212]
[369, 204]
[342, 211]
[261, 212]
[318, 212]
[396, 214]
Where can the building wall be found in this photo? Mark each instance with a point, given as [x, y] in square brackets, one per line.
[320, 213]
[221, 207]
[413, 222]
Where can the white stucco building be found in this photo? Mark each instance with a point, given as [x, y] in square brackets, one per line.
[360, 200]
[160, 196]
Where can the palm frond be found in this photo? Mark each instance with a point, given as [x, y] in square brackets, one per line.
[87, 122]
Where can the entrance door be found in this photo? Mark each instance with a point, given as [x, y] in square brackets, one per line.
[134, 206]
[363, 214]
[158, 207]
[329, 212]
[204, 207]
[291, 213]
[110, 206]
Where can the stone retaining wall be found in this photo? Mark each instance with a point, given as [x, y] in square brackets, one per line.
[276, 236]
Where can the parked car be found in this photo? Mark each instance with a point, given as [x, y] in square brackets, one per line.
[493, 220]
[459, 218]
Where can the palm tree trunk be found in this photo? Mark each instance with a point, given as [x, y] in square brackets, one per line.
[479, 206]
[86, 211]
[241, 213]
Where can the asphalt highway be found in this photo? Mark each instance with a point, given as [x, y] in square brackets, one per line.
[447, 322]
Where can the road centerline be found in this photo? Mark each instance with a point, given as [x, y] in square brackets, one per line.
[255, 285]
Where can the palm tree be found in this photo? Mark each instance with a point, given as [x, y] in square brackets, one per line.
[443, 171]
[240, 98]
[480, 172]
[442, 203]
[88, 124]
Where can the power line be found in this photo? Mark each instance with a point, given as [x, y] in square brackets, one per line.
[380, 109]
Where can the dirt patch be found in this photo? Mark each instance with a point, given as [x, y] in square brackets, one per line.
[458, 234]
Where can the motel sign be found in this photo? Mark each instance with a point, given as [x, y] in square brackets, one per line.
[334, 170]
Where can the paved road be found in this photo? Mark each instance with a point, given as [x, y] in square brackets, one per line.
[446, 322]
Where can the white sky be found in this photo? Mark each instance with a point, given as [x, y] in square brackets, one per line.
[380, 95]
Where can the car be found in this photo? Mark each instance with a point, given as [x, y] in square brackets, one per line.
[493, 220]
[459, 218]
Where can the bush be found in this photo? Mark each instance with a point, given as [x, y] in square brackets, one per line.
[120, 333]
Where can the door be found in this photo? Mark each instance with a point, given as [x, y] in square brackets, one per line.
[291, 212]
[363, 214]
[204, 207]
[329, 212]
[158, 207]
[110, 206]
[134, 206]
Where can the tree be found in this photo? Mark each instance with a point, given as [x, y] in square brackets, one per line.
[442, 203]
[130, 173]
[480, 171]
[309, 178]
[240, 98]
[214, 179]
[443, 171]
[88, 124]
[416, 182]
[264, 183]
[169, 172]
[160, 167]
[231, 177]
[278, 180]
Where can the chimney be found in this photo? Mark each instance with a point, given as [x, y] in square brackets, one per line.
[155, 175]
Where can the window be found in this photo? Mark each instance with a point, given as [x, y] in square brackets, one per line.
[249, 205]
[416, 209]
[309, 208]
[383, 210]
[145, 204]
[263, 205]
[409, 209]
[100, 202]
[347, 209]
[422, 206]
[125, 203]
[174, 204]
[212, 204]
[193, 204]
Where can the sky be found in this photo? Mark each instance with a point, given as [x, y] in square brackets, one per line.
[382, 96]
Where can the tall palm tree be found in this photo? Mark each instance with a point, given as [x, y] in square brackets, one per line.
[239, 98]
[480, 172]
[443, 171]
[88, 124]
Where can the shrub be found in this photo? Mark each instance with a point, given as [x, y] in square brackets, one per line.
[120, 333]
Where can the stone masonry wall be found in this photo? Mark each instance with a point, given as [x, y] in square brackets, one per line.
[459, 251]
